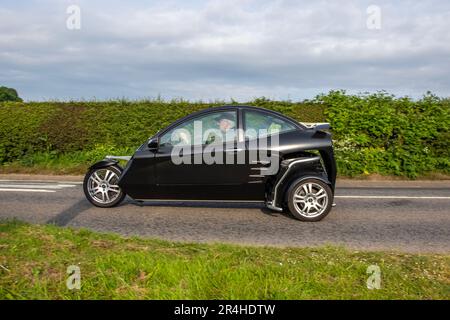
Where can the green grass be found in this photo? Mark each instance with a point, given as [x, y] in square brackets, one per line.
[34, 260]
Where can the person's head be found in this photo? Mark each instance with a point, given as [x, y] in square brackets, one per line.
[225, 122]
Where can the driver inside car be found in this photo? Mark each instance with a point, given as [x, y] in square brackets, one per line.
[225, 123]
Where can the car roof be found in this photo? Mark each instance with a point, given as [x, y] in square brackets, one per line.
[244, 107]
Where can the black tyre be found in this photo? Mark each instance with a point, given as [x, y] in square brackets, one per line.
[309, 199]
[101, 186]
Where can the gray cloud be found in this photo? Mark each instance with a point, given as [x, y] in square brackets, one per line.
[222, 49]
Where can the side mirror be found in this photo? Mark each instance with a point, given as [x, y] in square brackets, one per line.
[152, 144]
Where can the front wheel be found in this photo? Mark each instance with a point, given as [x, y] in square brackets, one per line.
[310, 199]
[101, 187]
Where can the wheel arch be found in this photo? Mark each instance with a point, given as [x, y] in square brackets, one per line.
[105, 163]
[294, 170]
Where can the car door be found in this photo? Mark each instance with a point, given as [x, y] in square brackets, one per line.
[193, 160]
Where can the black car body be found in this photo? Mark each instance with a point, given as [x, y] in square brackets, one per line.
[305, 167]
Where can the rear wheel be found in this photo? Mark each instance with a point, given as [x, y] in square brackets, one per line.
[101, 187]
[309, 200]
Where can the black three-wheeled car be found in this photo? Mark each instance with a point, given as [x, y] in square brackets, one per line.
[269, 158]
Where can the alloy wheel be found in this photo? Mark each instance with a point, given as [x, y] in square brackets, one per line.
[310, 200]
[103, 186]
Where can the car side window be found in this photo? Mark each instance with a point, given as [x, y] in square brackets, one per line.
[258, 124]
[212, 128]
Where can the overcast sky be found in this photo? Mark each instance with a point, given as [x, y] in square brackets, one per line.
[223, 49]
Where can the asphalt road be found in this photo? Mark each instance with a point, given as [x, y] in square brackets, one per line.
[405, 216]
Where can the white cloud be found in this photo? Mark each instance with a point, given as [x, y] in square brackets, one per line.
[222, 48]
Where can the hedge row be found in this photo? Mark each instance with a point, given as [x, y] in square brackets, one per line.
[374, 133]
[378, 133]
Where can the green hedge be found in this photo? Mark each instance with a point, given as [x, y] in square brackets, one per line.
[378, 133]
[374, 133]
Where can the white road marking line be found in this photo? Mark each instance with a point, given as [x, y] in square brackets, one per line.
[71, 182]
[27, 190]
[39, 186]
[392, 197]
[42, 187]
[41, 181]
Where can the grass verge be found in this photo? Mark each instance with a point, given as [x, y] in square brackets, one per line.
[34, 261]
